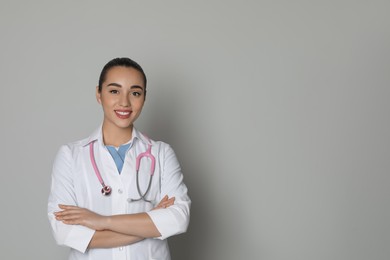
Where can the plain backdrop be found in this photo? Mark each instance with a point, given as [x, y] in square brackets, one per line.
[278, 112]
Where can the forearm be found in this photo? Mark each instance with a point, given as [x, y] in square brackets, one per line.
[139, 225]
[111, 239]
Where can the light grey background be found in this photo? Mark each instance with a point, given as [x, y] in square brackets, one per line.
[277, 110]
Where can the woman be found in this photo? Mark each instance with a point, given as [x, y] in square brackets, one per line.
[133, 217]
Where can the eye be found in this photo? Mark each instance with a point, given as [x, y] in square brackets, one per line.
[114, 91]
[136, 94]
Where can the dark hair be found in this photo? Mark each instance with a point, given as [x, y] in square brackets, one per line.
[122, 62]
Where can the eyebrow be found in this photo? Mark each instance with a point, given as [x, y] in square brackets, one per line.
[115, 85]
[119, 86]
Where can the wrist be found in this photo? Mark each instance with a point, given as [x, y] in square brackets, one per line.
[107, 220]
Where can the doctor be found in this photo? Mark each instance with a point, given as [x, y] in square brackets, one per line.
[99, 204]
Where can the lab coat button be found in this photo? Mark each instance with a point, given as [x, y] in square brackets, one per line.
[128, 200]
[121, 248]
[120, 191]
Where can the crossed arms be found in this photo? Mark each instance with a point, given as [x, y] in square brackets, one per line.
[113, 231]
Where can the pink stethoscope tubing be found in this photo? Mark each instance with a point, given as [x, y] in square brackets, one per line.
[106, 190]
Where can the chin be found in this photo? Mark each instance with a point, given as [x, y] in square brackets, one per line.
[125, 126]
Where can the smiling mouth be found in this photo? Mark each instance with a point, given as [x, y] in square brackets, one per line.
[122, 114]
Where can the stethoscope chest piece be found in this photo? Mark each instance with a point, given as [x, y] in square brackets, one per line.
[106, 190]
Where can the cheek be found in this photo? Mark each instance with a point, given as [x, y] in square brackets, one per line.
[139, 105]
[106, 101]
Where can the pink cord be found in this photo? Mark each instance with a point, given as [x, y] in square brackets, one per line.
[91, 154]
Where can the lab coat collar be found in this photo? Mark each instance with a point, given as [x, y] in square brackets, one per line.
[97, 135]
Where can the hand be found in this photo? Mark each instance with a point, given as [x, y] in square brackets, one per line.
[73, 215]
[165, 202]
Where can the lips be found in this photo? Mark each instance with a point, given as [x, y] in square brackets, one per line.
[123, 114]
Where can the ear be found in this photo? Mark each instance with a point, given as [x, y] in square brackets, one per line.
[98, 95]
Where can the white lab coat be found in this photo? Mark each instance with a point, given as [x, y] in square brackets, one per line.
[74, 183]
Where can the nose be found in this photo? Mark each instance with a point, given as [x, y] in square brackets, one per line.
[124, 100]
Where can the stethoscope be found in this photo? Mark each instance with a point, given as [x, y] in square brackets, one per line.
[106, 189]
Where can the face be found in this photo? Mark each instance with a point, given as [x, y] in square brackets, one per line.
[122, 97]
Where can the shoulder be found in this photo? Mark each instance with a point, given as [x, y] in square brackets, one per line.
[71, 149]
[162, 146]
[164, 151]
[79, 144]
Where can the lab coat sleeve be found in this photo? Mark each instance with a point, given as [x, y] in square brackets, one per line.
[174, 219]
[62, 192]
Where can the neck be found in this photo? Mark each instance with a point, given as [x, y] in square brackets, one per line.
[116, 136]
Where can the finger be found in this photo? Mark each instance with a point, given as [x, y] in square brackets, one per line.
[65, 215]
[165, 198]
[67, 212]
[170, 200]
[71, 222]
[62, 206]
[74, 216]
[168, 203]
[165, 202]
[71, 219]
